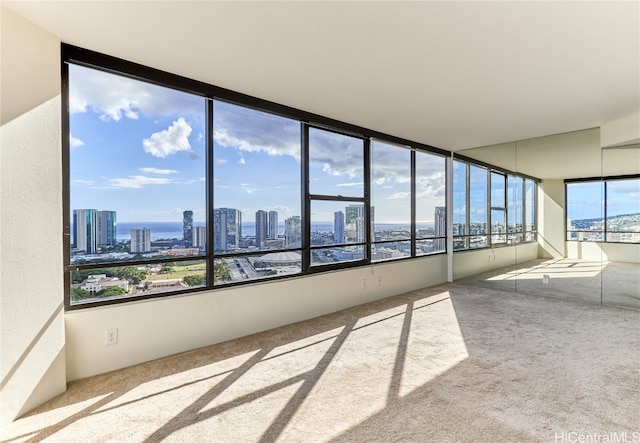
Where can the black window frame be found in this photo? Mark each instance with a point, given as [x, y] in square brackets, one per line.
[90, 59]
[532, 238]
[604, 181]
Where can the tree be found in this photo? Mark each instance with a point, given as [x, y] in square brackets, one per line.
[131, 273]
[79, 294]
[195, 280]
[111, 291]
[221, 271]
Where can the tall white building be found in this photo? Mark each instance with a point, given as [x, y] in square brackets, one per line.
[272, 233]
[140, 240]
[293, 232]
[200, 237]
[227, 229]
[338, 227]
[440, 228]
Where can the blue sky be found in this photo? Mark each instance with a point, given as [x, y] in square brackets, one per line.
[139, 149]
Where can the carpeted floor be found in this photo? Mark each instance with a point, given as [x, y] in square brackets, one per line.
[448, 363]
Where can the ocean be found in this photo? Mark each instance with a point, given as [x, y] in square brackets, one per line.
[168, 230]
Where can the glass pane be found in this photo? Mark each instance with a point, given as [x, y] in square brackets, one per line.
[497, 190]
[478, 178]
[530, 207]
[252, 204]
[431, 245]
[430, 197]
[391, 250]
[515, 202]
[335, 223]
[391, 191]
[137, 153]
[109, 283]
[336, 164]
[498, 226]
[623, 211]
[585, 211]
[459, 201]
[256, 267]
[343, 254]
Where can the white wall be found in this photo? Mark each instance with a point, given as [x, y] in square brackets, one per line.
[629, 253]
[31, 311]
[467, 263]
[551, 230]
[155, 328]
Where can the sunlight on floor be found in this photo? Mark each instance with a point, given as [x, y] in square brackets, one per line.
[33, 424]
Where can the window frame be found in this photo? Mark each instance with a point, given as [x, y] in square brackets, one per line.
[604, 181]
[86, 58]
[468, 162]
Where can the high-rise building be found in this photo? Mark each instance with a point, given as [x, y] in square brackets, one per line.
[140, 240]
[293, 232]
[338, 227]
[440, 228]
[227, 229]
[106, 228]
[85, 230]
[187, 228]
[261, 228]
[200, 237]
[272, 233]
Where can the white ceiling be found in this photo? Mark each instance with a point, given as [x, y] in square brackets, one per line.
[454, 75]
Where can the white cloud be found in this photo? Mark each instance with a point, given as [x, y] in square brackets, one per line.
[221, 161]
[83, 182]
[345, 185]
[75, 142]
[251, 131]
[169, 141]
[242, 161]
[138, 181]
[158, 171]
[115, 97]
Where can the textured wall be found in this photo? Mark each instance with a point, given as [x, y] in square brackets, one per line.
[31, 299]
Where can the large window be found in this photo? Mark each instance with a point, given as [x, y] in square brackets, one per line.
[339, 216]
[460, 211]
[604, 210]
[430, 208]
[173, 185]
[491, 207]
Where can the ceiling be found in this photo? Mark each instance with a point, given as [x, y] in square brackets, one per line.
[454, 75]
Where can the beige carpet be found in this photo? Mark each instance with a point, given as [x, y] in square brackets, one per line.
[449, 363]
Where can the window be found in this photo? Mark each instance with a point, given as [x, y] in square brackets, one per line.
[339, 212]
[491, 207]
[460, 231]
[530, 226]
[390, 201]
[173, 186]
[604, 210]
[257, 213]
[430, 208]
[137, 195]
[478, 217]
[498, 209]
[515, 202]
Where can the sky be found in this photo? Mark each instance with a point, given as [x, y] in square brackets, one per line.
[140, 150]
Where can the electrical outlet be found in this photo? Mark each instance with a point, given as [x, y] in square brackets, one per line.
[364, 283]
[379, 281]
[545, 279]
[111, 336]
